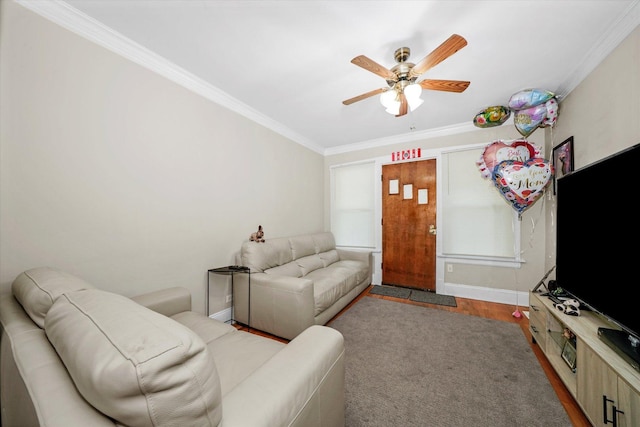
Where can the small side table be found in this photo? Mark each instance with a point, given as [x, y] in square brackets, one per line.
[230, 271]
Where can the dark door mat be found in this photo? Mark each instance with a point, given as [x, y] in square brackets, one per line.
[433, 298]
[390, 291]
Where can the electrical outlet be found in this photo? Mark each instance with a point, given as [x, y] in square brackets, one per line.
[449, 268]
[229, 297]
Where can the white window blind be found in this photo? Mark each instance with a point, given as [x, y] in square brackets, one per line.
[353, 204]
[476, 220]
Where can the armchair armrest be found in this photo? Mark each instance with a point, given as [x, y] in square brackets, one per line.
[281, 305]
[167, 301]
[302, 385]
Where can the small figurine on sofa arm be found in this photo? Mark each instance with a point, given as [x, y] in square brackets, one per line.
[258, 236]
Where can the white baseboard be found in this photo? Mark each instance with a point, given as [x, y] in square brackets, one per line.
[502, 296]
[222, 316]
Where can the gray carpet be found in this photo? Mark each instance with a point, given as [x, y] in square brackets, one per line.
[414, 295]
[408, 365]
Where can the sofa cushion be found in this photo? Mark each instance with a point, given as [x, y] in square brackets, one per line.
[237, 355]
[302, 246]
[329, 257]
[291, 269]
[324, 241]
[262, 256]
[310, 263]
[335, 281]
[36, 290]
[134, 365]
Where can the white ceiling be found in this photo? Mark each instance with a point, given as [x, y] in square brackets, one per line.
[286, 64]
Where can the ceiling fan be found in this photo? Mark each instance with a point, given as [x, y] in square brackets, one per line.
[403, 91]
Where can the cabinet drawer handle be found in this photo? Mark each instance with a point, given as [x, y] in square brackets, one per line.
[616, 411]
[534, 308]
[534, 329]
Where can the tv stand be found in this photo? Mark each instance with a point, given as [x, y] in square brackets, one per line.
[604, 383]
[622, 343]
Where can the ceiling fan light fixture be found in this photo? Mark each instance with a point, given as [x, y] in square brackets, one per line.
[394, 110]
[404, 92]
[415, 103]
[412, 93]
[389, 100]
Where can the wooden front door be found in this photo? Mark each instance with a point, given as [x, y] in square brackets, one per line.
[408, 224]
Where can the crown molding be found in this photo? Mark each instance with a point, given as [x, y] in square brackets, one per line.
[399, 139]
[618, 31]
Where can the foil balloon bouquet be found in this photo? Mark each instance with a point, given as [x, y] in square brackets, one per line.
[518, 172]
[532, 108]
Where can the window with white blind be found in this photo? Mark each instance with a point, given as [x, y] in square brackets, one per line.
[476, 220]
[353, 204]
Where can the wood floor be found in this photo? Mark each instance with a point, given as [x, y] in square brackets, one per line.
[495, 311]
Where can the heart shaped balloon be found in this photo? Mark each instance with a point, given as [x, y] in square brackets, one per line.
[498, 151]
[522, 183]
[529, 98]
[527, 120]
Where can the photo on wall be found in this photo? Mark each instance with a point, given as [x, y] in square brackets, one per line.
[562, 160]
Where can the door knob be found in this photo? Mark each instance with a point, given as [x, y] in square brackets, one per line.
[432, 229]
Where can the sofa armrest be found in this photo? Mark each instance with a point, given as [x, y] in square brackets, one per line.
[167, 301]
[280, 305]
[364, 256]
[302, 385]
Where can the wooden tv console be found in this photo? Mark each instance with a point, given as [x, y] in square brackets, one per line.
[606, 386]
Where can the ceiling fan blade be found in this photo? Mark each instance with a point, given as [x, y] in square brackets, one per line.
[404, 105]
[374, 67]
[444, 85]
[364, 96]
[439, 54]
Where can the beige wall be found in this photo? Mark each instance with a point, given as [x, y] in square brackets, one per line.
[112, 172]
[602, 114]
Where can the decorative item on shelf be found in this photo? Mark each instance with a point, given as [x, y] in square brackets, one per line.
[569, 335]
[569, 307]
[569, 354]
[258, 236]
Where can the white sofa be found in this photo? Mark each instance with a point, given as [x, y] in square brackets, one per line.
[298, 281]
[72, 355]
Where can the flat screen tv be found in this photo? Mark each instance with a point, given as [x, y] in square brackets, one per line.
[597, 245]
